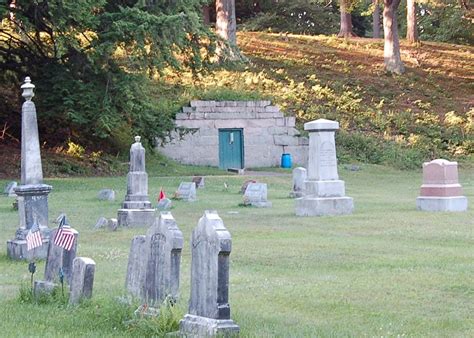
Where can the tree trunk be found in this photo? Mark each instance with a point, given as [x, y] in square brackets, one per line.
[225, 20]
[391, 52]
[376, 20]
[206, 15]
[346, 22]
[412, 31]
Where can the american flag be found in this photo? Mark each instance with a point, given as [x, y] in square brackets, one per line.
[33, 237]
[64, 237]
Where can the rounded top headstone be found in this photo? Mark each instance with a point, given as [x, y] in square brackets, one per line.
[28, 89]
[441, 162]
[321, 125]
[137, 139]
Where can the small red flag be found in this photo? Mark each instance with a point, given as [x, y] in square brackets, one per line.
[162, 195]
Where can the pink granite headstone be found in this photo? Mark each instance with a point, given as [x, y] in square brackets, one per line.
[441, 190]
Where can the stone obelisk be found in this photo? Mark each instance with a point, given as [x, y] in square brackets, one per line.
[136, 209]
[32, 193]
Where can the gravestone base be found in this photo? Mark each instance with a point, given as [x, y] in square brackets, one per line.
[43, 287]
[17, 250]
[266, 204]
[296, 194]
[429, 203]
[197, 326]
[324, 206]
[333, 188]
[136, 217]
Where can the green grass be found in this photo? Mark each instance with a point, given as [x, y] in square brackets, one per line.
[385, 270]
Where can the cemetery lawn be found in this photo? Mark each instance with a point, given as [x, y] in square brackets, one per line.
[386, 270]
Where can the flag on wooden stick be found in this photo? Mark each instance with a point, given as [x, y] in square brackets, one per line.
[64, 237]
[33, 237]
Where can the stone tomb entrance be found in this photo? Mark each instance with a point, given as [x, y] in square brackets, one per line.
[234, 134]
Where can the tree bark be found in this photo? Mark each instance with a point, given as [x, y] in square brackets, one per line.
[412, 31]
[376, 20]
[225, 20]
[346, 22]
[391, 52]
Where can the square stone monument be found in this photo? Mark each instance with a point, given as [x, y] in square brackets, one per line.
[209, 309]
[441, 190]
[324, 191]
[186, 191]
[299, 177]
[32, 193]
[256, 195]
[136, 209]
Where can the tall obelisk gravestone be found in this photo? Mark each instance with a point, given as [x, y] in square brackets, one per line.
[324, 192]
[136, 209]
[32, 193]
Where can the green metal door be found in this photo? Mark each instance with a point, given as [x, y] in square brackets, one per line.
[231, 148]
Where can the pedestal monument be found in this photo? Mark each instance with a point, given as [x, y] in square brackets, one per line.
[136, 209]
[324, 192]
[441, 190]
[32, 193]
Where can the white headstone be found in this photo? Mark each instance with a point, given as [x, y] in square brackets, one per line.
[299, 177]
[256, 195]
[186, 191]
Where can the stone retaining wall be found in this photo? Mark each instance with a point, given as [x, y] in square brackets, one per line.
[267, 133]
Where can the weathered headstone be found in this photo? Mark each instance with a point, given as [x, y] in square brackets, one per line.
[164, 243]
[106, 195]
[441, 190]
[32, 193]
[209, 309]
[82, 280]
[136, 209]
[245, 185]
[186, 191]
[324, 191]
[102, 222]
[10, 189]
[136, 268]
[256, 195]
[60, 258]
[199, 181]
[154, 262]
[164, 204]
[299, 177]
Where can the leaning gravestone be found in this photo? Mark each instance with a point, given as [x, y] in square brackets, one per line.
[186, 191]
[209, 309]
[154, 262]
[324, 191]
[136, 209]
[441, 190]
[199, 181]
[83, 270]
[10, 189]
[106, 195]
[164, 204]
[32, 193]
[102, 222]
[299, 176]
[256, 195]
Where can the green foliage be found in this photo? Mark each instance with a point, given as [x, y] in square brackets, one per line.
[89, 59]
[447, 23]
[298, 17]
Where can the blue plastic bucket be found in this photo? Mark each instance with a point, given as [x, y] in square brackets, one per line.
[286, 160]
